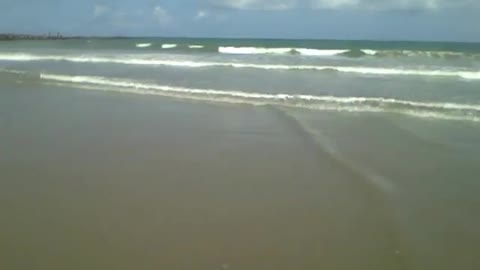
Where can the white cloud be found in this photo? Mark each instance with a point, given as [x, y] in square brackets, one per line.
[378, 4]
[394, 4]
[346, 4]
[257, 4]
[100, 10]
[201, 14]
[334, 4]
[161, 15]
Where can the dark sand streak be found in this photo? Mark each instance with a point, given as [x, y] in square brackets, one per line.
[358, 179]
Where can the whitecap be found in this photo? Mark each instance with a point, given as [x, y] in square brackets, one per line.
[169, 46]
[433, 110]
[143, 45]
[317, 52]
[135, 60]
[253, 50]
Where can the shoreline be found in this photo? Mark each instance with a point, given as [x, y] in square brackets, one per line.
[152, 179]
[58, 36]
[16, 37]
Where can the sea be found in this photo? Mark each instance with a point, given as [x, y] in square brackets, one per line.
[416, 79]
[206, 153]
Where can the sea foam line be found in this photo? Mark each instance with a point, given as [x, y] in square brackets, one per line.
[470, 75]
[315, 52]
[259, 50]
[169, 46]
[411, 53]
[342, 52]
[143, 45]
[435, 110]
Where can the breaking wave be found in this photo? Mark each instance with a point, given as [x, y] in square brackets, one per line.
[169, 46]
[136, 60]
[432, 110]
[346, 52]
[253, 50]
[410, 53]
[143, 45]
[257, 50]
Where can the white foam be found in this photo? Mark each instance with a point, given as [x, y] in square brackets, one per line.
[253, 50]
[333, 52]
[134, 60]
[315, 52]
[19, 72]
[259, 50]
[410, 53]
[195, 46]
[169, 46]
[449, 111]
[387, 101]
[143, 45]
[415, 72]
[369, 52]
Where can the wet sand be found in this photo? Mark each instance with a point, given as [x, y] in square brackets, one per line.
[93, 180]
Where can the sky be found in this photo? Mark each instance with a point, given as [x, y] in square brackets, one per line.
[436, 20]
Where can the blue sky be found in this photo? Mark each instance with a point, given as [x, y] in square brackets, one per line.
[456, 20]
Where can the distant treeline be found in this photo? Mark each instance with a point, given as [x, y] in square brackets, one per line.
[31, 37]
[50, 36]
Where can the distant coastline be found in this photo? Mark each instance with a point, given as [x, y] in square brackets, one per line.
[58, 36]
[48, 36]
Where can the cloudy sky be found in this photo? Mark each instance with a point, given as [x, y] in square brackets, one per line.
[456, 20]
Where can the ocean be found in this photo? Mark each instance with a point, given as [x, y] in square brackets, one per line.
[409, 78]
[180, 153]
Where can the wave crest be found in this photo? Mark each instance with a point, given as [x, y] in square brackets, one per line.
[253, 50]
[143, 45]
[378, 71]
[259, 50]
[434, 110]
[169, 46]
[346, 52]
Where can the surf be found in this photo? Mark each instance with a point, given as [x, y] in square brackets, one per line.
[169, 46]
[351, 52]
[253, 50]
[284, 51]
[136, 60]
[143, 45]
[431, 110]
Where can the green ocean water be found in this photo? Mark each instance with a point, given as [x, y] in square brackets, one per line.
[212, 44]
[429, 80]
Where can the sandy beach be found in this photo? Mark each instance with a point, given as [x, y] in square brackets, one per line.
[97, 180]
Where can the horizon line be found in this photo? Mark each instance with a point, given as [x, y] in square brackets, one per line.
[62, 36]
